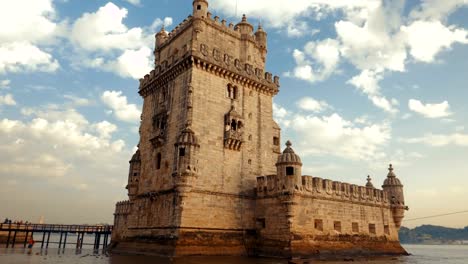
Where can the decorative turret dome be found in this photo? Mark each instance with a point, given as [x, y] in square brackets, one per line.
[244, 26]
[289, 156]
[369, 182]
[187, 137]
[391, 180]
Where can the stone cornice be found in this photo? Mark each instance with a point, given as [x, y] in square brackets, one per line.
[161, 76]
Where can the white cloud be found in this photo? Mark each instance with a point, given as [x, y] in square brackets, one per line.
[7, 100]
[333, 135]
[120, 106]
[368, 83]
[157, 23]
[430, 110]
[310, 104]
[23, 56]
[106, 43]
[441, 140]
[426, 39]
[105, 31]
[318, 61]
[22, 31]
[134, 2]
[5, 84]
[77, 101]
[132, 63]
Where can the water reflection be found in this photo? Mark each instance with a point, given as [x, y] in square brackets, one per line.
[422, 255]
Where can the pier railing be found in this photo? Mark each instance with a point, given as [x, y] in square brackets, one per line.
[24, 231]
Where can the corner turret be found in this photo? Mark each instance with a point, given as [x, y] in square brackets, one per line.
[289, 169]
[200, 8]
[244, 27]
[394, 189]
[134, 175]
[261, 37]
[161, 37]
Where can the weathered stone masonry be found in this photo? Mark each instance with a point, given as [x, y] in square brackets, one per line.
[209, 177]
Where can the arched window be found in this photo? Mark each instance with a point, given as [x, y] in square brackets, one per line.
[233, 125]
[158, 161]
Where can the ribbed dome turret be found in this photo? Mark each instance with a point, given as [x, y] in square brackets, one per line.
[391, 180]
[244, 26]
[289, 156]
[369, 182]
[187, 137]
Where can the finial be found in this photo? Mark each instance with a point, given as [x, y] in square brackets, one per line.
[390, 168]
[288, 144]
[369, 182]
[244, 18]
[260, 26]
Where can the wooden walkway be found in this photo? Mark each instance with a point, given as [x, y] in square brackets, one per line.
[26, 230]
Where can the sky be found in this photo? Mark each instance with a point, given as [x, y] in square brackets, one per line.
[364, 83]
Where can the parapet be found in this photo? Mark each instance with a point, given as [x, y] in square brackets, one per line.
[326, 189]
[123, 208]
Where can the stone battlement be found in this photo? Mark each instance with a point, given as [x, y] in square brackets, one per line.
[324, 188]
[123, 208]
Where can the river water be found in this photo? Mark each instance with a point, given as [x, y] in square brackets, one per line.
[420, 255]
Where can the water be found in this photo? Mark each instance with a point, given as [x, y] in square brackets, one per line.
[421, 255]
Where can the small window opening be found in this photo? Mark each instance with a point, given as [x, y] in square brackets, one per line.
[372, 229]
[387, 229]
[234, 125]
[318, 224]
[289, 171]
[135, 174]
[337, 226]
[182, 152]
[261, 223]
[158, 161]
[276, 141]
[355, 228]
[198, 7]
[250, 137]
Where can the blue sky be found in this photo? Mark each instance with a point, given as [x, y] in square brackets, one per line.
[364, 83]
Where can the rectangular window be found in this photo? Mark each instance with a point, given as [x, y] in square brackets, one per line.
[387, 229]
[276, 141]
[319, 224]
[158, 161]
[355, 227]
[289, 171]
[372, 229]
[182, 152]
[337, 226]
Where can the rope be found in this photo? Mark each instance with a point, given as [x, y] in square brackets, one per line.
[434, 216]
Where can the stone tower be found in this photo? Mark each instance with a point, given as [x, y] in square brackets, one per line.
[209, 177]
[207, 132]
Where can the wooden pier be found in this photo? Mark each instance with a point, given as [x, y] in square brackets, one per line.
[12, 232]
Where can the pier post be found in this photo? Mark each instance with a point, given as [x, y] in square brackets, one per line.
[14, 239]
[43, 238]
[48, 239]
[60, 241]
[65, 242]
[26, 238]
[9, 236]
[82, 239]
